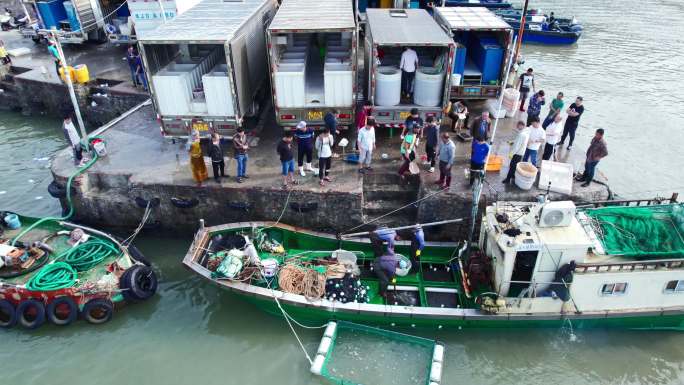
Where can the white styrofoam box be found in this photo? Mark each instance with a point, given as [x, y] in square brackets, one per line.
[455, 80]
[217, 92]
[173, 91]
[387, 86]
[290, 85]
[428, 87]
[294, 55]
[198, 106]
[16, 52]
[559, 174]
[338, 84]
[492, 107]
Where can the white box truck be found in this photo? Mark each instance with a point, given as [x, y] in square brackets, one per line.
[206, 67]
[145, 15]
[484, 48]
[312, 54]
[388, 33]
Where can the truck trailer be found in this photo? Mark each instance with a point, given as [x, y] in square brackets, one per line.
[312, 53]
[207, 66]
[389, 32]
[146, 15]
[76, 21]
[484, 50]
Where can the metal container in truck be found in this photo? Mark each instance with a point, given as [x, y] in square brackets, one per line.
[388, 33]
[76, 21]
[207, 67]
[312, 54]
[483, 52]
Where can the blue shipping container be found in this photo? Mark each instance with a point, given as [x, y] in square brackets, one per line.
[71, 15]
[488, 55]
[52, 12]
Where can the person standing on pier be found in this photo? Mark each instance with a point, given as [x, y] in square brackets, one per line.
[482, 127]
[71, 135]
[537, 137]
[284, 150]
[525, 84]
[575, 111]
[447, 155]
[199, 169]
[216, 153]
[408, 150]
[366, 144]
[305, 140]
[413, 120]
[598, 149]
[553, 135]
[554, 109]
[534, 110]
[240, 146]
[431, 135]
[131, 59]
[478, 157]
[140, 71]
[331, 119]
[52, 49]
[324, 144]
[517, 151]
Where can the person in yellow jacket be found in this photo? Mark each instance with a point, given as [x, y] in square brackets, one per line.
[197, 165]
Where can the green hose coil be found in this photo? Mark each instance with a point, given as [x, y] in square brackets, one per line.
[88, 254]
[56, 276]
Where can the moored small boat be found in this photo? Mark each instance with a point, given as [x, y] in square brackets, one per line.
[537, 265]
[57, 272]
[543, 29]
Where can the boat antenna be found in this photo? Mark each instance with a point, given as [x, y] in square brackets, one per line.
[479, 180]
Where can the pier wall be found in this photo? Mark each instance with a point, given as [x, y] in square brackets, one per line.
[30, 92]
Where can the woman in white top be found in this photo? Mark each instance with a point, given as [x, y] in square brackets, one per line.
[324, 144]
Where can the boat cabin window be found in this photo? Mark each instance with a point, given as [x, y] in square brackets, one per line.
[614, 288]
[676, 286]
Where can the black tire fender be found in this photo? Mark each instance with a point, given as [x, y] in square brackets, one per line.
[184, 203]
[8, 315]
[54, 312]
[23, 316]
[138, 283]
[58, 191]
[98, 311]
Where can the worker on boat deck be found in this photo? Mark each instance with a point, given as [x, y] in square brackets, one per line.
[417, 246]
[385, 267]
[379, 237]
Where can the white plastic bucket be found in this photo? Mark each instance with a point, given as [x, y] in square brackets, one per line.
[388, 86]
[525, 175]
[100, 149]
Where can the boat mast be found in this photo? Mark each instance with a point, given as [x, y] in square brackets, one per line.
[521, 30]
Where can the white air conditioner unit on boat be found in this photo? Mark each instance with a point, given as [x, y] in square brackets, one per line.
[557, 214]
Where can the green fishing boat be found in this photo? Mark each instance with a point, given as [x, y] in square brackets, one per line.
[547, 264]
[57, 271]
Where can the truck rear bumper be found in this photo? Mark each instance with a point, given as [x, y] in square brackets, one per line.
[290, 117]
[180, 127]
[395, 116]
[475, 91]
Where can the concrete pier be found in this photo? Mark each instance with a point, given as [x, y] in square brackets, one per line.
[143, 166]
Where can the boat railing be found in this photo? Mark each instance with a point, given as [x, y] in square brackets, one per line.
[631, 202]
[635, 266]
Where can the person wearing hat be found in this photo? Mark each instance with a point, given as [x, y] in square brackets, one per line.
[305, 139]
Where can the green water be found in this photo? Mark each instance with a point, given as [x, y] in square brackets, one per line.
[627, 68]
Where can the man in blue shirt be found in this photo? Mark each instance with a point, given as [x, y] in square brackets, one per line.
[385, 268]
[131, 59]
[417, 246]
[305, 139]
[534, 109]
[478, 156]
[379, 237]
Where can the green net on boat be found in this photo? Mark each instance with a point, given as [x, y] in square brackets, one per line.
[353, 354]
[649, 232]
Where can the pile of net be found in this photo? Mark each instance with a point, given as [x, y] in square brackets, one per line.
[649, 232]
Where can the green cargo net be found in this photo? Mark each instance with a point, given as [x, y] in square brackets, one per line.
[353, 354]
[649, 232]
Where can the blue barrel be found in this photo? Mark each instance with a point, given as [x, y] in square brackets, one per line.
[12, 221]
[71, 15]
[52, 12]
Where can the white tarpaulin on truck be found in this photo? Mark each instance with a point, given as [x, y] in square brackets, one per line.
[470, 18]
[406, 27]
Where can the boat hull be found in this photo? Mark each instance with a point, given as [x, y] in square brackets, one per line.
[550, 38]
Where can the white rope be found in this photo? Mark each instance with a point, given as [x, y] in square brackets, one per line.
[146, 216]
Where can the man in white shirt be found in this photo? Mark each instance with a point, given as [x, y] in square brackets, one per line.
[408, 66]
[553, 135]
[71, 135]
[517, 151]
[537, 137]
[366, 143]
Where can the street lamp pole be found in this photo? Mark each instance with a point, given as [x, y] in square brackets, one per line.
[70, 86]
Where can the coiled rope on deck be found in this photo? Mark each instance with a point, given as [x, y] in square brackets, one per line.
[302, 280]
[89, 254]
[56, 276]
